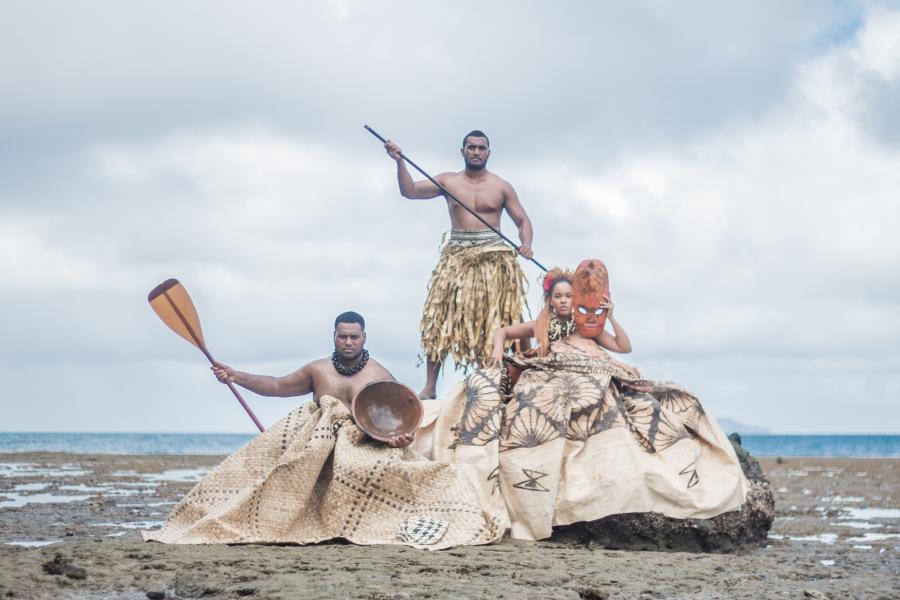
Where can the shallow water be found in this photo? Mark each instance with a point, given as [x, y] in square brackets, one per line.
[14, 500]
[177, 475]
[132, 524]
[863, 514]
[221, 444]
[33, 543]
[31, 470]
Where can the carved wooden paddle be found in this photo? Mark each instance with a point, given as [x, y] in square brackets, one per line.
[172, 303]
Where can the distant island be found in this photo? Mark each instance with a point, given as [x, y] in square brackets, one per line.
[732, 426]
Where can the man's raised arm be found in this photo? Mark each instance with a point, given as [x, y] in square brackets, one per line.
[517, 213]
[414, 190]
[298, 383]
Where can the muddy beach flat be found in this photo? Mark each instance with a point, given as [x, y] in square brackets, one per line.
[837, 533]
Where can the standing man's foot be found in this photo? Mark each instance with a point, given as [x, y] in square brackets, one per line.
[432, 368]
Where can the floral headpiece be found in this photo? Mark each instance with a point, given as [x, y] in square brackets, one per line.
[548, 282]
[552, 276]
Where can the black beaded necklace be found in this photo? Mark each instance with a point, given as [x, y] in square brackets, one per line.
[352, 370]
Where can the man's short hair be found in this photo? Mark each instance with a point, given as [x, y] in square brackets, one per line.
[476, 133]
[350, 317]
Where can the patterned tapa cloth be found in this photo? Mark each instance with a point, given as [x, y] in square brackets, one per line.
[315, 476]
[581, 437]
[476, 288]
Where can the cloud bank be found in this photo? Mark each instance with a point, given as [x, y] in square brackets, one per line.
[736, 167]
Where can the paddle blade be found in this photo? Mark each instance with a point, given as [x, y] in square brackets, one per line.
[172, 303]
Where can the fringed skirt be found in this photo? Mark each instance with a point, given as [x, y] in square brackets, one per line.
[476, 288]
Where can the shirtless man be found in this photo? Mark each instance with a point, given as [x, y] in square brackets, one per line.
[488, 195]
[347, 371]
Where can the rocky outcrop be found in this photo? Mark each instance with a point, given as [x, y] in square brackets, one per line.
[748, 526]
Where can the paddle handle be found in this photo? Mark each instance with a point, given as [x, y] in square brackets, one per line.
[458, 201]
[233, 389]
[244, 404]
[198, 341]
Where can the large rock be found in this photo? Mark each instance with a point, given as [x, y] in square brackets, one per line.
[651, 531]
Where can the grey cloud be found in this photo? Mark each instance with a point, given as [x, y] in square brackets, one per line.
[592, 79]
[223, 145]
[880, 111]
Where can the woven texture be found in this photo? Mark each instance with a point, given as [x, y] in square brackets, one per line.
[582, 436]
[314, 476]
[476, 288]
[422, 530]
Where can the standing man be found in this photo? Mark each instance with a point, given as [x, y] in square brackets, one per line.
[477, 285]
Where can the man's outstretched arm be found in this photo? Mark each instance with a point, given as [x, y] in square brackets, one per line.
[297, 383]
[414, 190]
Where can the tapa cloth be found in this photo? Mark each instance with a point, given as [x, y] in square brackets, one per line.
[582, 436]
[315, 476]
[476, 288]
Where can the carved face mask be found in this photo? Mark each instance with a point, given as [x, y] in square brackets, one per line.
[590, 292]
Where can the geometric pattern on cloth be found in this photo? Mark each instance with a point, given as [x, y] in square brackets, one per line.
[582, 436]
[476, 288]
[575, 396]
[422, 531]
[315, 476]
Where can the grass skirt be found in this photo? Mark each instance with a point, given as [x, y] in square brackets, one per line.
[476, 288]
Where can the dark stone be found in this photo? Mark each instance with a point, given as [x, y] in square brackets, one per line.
[651, 531]
[74, 571]
[156, 595]
[195, 584]
[592, 593]
[53, 567]
[749, 464]
[60, 566]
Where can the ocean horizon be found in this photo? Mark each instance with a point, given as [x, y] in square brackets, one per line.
[846, 445]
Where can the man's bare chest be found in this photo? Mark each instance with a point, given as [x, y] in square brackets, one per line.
[341, 387]
[342, 390]
[483, 197]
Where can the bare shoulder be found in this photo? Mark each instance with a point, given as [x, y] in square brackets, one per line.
[379, 372]
[446, 176]
[319, 366]
[503, 186]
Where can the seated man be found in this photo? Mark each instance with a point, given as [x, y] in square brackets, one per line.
[581, 435]
[315, 476]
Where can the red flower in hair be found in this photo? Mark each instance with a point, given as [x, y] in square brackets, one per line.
[548, 283]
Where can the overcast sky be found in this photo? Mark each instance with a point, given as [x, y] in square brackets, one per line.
[736, 165]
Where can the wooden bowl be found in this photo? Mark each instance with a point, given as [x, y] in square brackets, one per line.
[384, 409]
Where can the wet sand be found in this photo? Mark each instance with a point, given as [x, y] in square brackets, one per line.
[836, 535]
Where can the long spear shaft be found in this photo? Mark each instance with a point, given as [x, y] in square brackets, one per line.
[458, 201]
